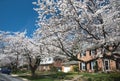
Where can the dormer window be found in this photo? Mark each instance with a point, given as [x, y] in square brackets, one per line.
[82, 54]
[49, 59]
[41, 60]
[45, 60]
[93, 52]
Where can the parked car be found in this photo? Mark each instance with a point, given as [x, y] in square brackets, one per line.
[5, 70]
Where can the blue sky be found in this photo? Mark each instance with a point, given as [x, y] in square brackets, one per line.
[17, 15]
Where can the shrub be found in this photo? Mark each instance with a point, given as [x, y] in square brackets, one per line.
[60, 75]
[53, 69]
[75, 68]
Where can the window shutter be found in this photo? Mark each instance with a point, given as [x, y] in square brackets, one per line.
[90, 52]
[90, 65]
[80, 66]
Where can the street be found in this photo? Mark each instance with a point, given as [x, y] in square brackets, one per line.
[4, 77]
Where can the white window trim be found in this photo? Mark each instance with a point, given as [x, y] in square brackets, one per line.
[83, 66]
[92, 65]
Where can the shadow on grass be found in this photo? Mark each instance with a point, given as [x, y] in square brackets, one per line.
[48, 77]
[37, 78]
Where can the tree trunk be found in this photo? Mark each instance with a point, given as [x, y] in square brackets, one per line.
[33, 72]
[33, 69]
[33, 65]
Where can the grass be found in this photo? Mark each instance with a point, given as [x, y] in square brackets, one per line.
[102, 76]
[57, 76]
[48, 76]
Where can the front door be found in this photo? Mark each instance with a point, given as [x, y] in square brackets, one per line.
[106, 64]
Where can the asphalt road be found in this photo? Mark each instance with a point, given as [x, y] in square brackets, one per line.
[4, 77]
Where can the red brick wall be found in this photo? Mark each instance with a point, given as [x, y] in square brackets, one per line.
[99, 61]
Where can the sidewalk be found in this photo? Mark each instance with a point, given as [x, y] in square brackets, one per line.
[5, 77]
[76, 78]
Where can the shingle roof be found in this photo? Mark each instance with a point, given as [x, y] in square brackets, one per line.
[70, 63]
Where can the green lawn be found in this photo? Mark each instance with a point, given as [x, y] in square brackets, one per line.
[102, 76]
[48, 76]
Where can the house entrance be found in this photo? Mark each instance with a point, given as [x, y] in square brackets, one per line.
[106, 64]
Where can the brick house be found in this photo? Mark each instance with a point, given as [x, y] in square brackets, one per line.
[99, 64]
[48, 62]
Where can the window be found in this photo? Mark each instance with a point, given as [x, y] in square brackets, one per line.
[92, 65]
[83, 54]
[45, 60]
[93, 52]
[118, 65]
[49, 59]
[83, 66]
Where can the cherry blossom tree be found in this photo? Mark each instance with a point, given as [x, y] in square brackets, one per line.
[5, 59]
[34, 54]
[18, 45]
[73, 26]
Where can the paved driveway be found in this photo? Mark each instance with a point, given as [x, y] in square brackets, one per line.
[4, 77]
